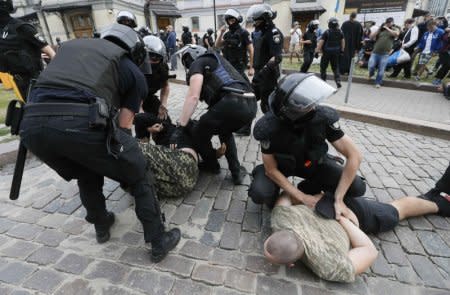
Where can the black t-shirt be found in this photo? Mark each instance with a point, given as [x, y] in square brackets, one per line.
[210, 40]
[309, 36]
[328, 42]
[132, 89]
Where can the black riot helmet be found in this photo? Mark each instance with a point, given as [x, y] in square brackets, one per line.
[297, 95]
[128, 39]
[189, 53]
[261, 12]
[185, 29]
[7, 6]
[127, 18]
[333, 23]
[155, 48]
[232, 13]
[210, 31]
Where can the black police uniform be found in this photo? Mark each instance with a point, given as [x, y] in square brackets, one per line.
[186, 38]
[235, 42]
[20, 51]
[300, 152]
[228, 111]
[268, 43]
[210, 41]
[63, 127]
[332, 49]
[308, 50]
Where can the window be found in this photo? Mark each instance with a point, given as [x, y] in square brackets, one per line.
[195, 23]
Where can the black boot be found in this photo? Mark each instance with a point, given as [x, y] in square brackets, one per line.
[239, 176]
[164, 244]
[102, 229]
[213, 168]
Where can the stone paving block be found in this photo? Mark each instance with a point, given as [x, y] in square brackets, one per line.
[406, 274]
[249, 243]
[443, 263]
[5, 289]
[74, 226]
[394, 253]
[202, 182]
[150, 282]
[132, 238]
[420, 223]
[236, 211]
[439, 222]
[20, 249]
[241, 280]
[182, 287]
[201, 210]
[44, 280]
[222, 200]
[117, 194]
[445, 235]
[433, 243]
[226, 291]
[240, 193]
[252, 207]
[357, 287]
[6, 224]
[24, 231]
[382, 195]
[21, 292]
[50, 237]
[50, 195]
[260, 264]
[27, 215]
[113, 272]
[302, 274]
[318, 290]
[182, 214]
[270, 286]
[54, 205]
[227, 258]
[193, 197]
[382, 286]
[136, 256]
[169, 211]
[45, 255]
[209, 274]
[389, 182]
[409, 240]
[215, 221]
[427, 271]
[70, 206]
[230, 236]
[177, 265]
[381, 267]
[16, 272]
[252, 222]
[196, 250]
[388, 236]
[210, 239]
[75, 287]
[54, 220]
[73, 263]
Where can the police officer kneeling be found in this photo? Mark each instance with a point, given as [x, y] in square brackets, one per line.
[293, 137]
[69, 123]
[231, 105]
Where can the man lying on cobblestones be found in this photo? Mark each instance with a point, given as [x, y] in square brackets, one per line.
[175, 170]
[293, 137]
[231, 105]
[323, 243]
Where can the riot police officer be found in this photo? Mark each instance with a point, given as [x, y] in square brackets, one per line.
[20, 48]
[208, 41]
[268, 45]
[158, 80]
[70, 124]
[186, 37]
[212, 79]
[236, 42]
[293, 137]
[331, 44]
[126, 18]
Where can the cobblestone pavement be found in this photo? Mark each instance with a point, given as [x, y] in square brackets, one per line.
[46, 247]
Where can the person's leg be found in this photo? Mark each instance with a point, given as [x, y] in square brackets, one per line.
[397, 70]
[323, 66]
[373, 61]
[334, 60]
[262, 189]
[231, 155]
[381, 68]
[412, 206]
[445, 67]
[307, 60]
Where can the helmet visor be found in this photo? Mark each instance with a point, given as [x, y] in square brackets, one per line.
[305, 96]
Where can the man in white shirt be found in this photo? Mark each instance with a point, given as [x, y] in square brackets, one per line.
[409, 42]
[294, 44]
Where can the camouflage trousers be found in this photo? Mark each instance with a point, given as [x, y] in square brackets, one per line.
[175, 172]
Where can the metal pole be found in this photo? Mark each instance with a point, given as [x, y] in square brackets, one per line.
[215, 20]
[350, 78]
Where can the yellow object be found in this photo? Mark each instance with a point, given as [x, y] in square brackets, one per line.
[8, 83]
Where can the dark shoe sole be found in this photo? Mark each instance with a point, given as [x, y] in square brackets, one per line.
[104, 236]
[160, 256]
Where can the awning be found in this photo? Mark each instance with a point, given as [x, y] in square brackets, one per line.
[419, 12]
[164, 8]
[54, 8]
[320, 9]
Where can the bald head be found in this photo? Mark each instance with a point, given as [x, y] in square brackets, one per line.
[283, 247]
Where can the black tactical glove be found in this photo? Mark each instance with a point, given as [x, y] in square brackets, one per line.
[176, 136]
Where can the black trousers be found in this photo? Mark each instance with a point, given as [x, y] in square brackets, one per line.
[406, 67]
[444, 58]
[324, 177]
[75, 151]
[23, 83]
[333, 59]
[228, 115]
[264, 84]
[308, 57]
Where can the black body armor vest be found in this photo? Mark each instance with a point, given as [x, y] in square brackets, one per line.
[333, 42]
[234, 50]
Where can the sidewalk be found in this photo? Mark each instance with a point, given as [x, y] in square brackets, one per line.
[46, 247]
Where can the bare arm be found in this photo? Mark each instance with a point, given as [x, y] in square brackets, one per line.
[251, 52]
[126, 118]
[219, 39]
[363, 252]
[49, 51]
[162, 112]
[192, 98]
[346, 147]
[271, 168]
[319, 45]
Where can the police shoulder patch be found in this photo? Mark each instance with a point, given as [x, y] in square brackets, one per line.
[265, 144]
[336, 125]
[276, 36]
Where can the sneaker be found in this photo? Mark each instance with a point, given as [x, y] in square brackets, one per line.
[102, 229]
[238, 178]
[441, 199]
[167, 242]
[377, 85]
[338, 84]
[436, 82]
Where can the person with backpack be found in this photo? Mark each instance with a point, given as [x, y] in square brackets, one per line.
[186, 37]
[331, 45]
[20, 48]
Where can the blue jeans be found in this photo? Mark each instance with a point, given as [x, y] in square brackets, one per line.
[380, 61]
[173, 59]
